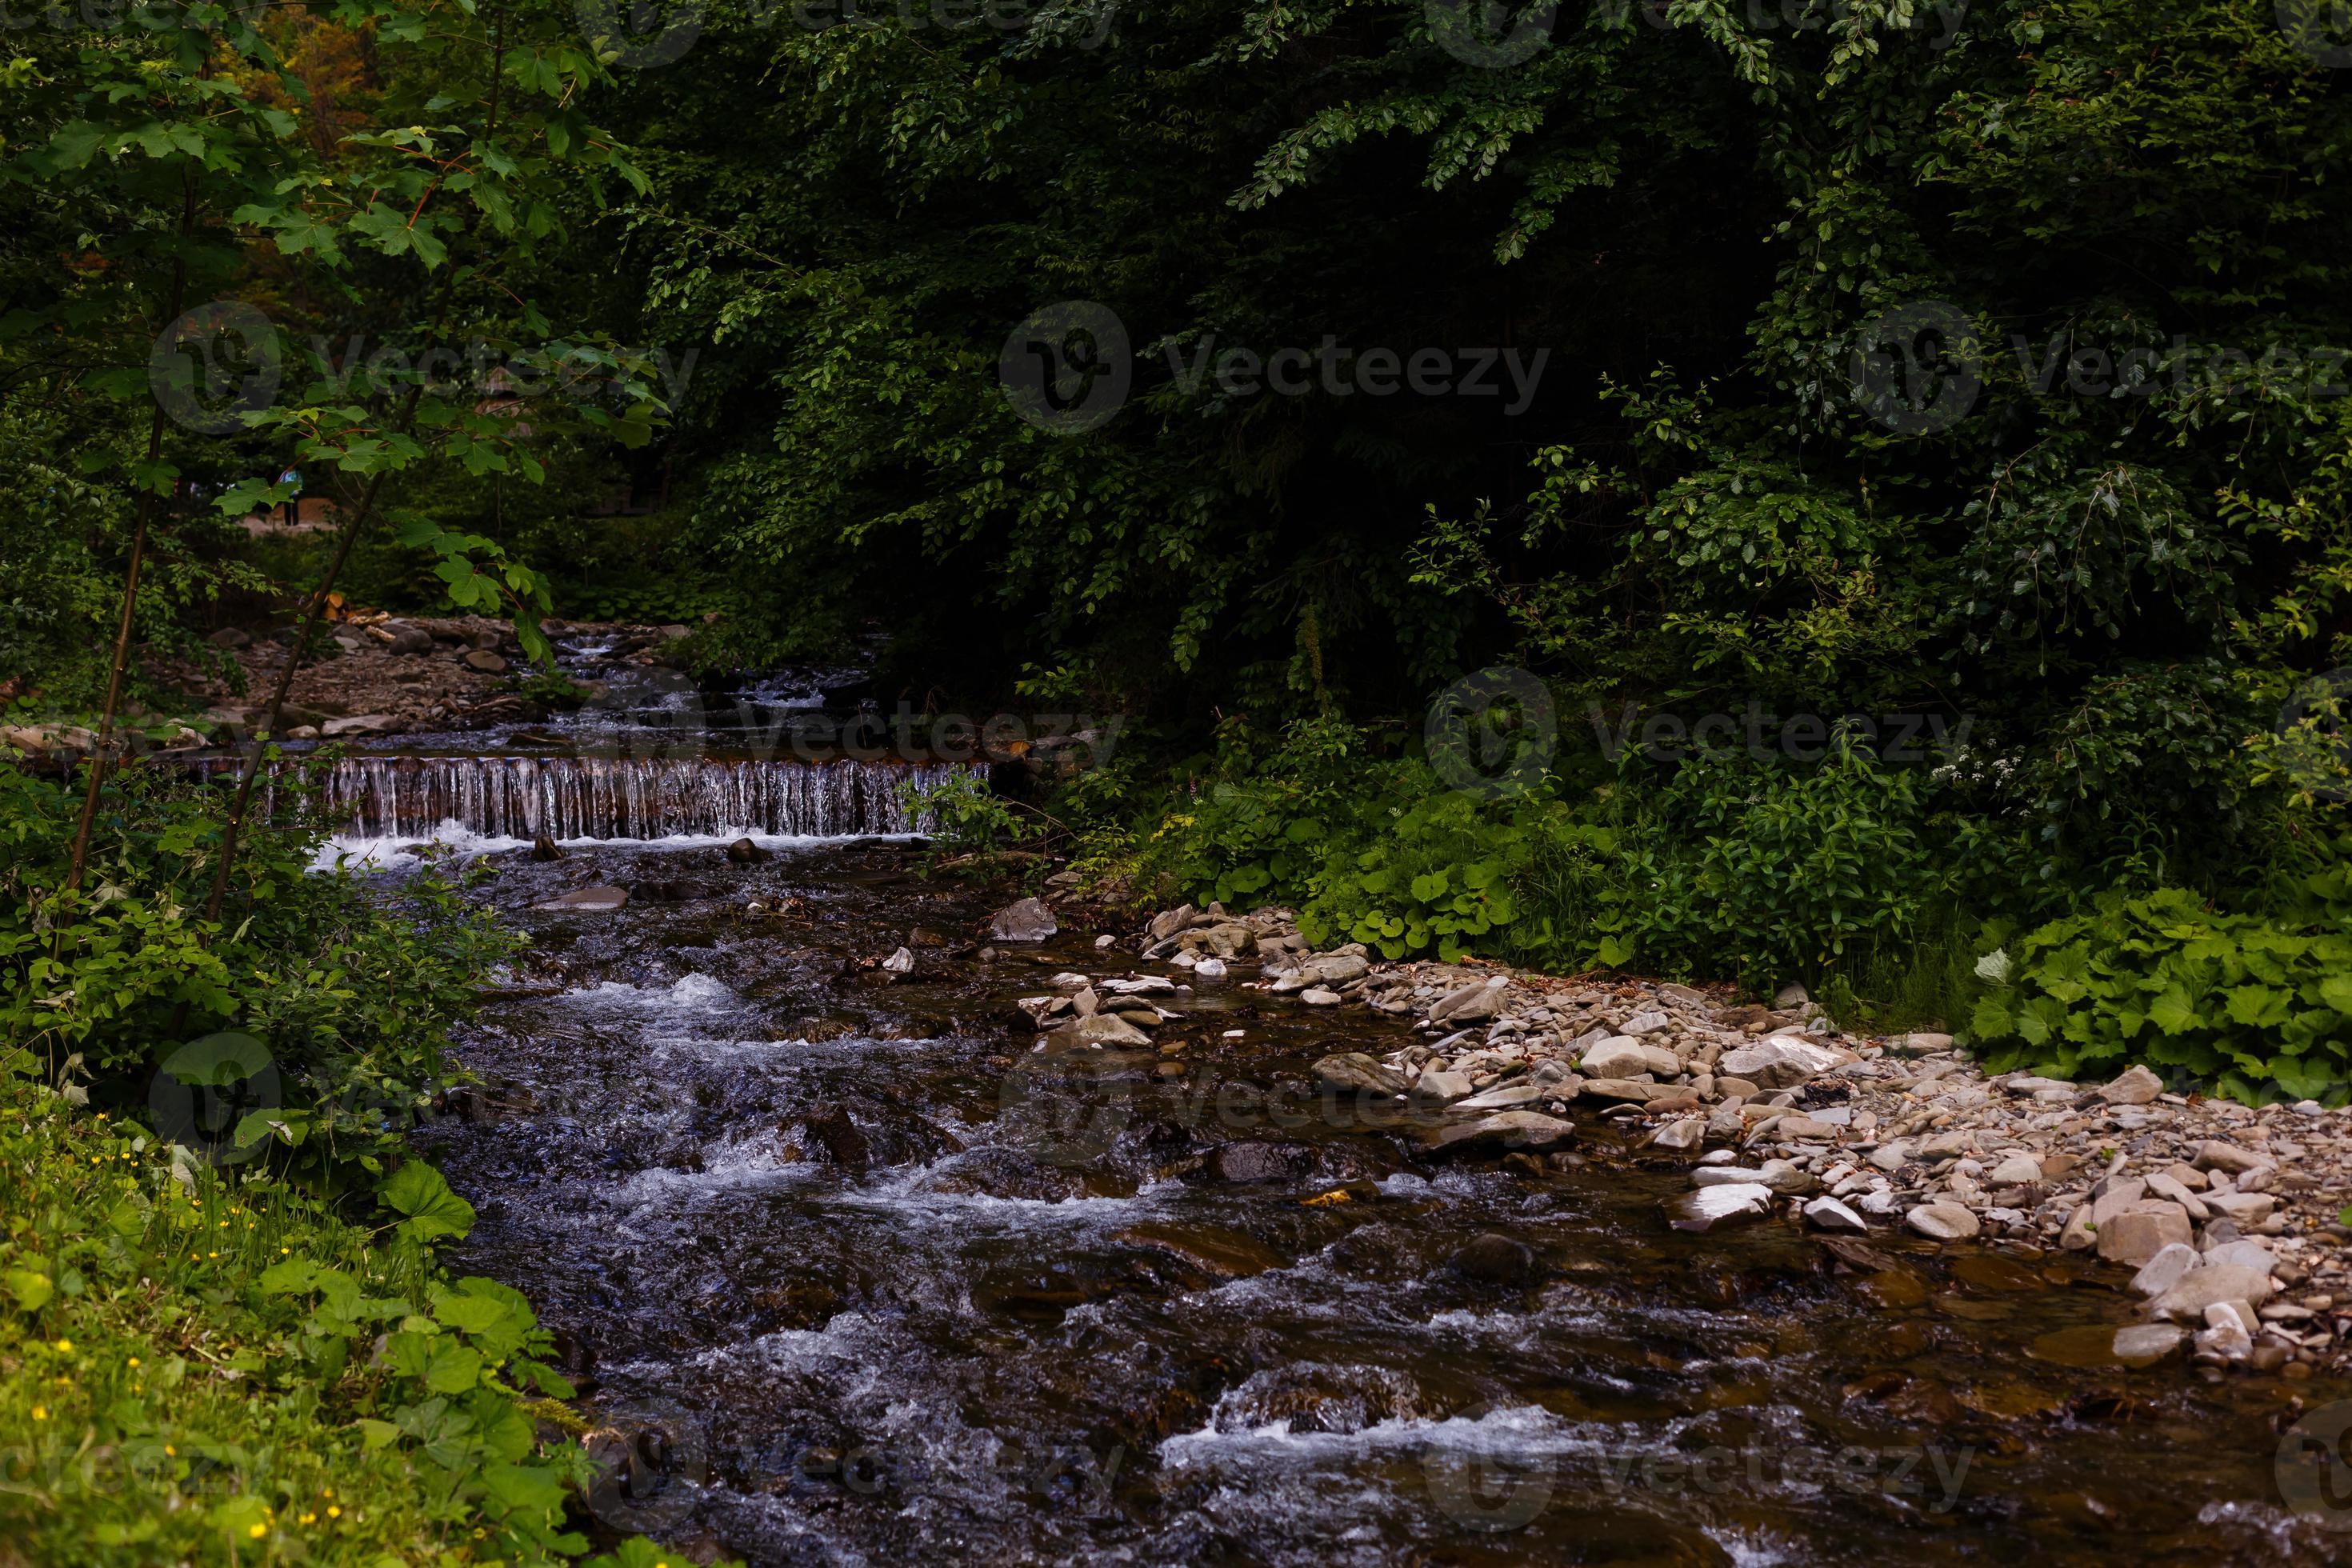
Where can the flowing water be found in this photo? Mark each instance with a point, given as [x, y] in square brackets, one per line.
[848, 1273]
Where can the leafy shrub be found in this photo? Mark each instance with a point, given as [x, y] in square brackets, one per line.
[2260, 1009]
[1769, 871]
[351, 998]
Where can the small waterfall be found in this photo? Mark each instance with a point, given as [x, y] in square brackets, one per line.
[621, 797]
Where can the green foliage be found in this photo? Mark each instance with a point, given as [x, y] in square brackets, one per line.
[348, 1000]
[204, 1366]
[2260, 1009]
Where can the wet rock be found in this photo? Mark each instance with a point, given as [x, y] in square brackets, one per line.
[587, 899]
[1503, 1131]
[1209, 969]
[743, 852]
[1711, 1208]
[1443, 1087]
[830, 1129]
[1102, 1029]
[1496, 1259]
[543, 848]
[1358, 1072]
[482, 661]
[1219, 1254]
[902, 961]
[1725, 1176]
[1028, 921]
[1256, 1161]
[2144, 1345]
[1943, 1222]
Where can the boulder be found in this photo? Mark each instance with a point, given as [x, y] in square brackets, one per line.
[1504, 1130]
[743, 852]
[402, 637]
[2144, 1345]
[1496, 1259]
[1028, 921]
[1102, 1029]
[1251, 1162]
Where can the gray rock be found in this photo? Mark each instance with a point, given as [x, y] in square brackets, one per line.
[2135, 1237]
[406, 638]
[482, 661]
[588, 900]
[2015, 1170]
[1479, 999]
[1504, 1130]
[1028, 921]
[2163, 1271]
[1102, 1029]
[2202, 1287]
[2136, 1085]
[1336, 968]
[1777, 1062]
[360, 724]
[1725, 1176]
[1828, 1214]
[2219, 1156]
[1358, 1072]
[1943, 1222]
[1790, 997]
[2241, 1209]
[899, 962]
[1711, 1208]
[1443, 1087]
[1616, 1056]
[1506, 1097]
[1319, 997]
[1682, 1133]
[230, 638]
[1215, 969]
[1648, 1022]
[2144, 1345]
[1169, 922]
[2241, 1255]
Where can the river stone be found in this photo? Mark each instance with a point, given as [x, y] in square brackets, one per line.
[587, 898]
[1503, 1097]
[1507, 1130]
[1725, 1176]
[1359, 1072]
[1336, 968]
[1828, 1214]
[1319, 997]
[1778, 1061]
[1683, 1133]
[1102, 1029]
[2144, 1345]
[1641, 1024]
[901, 962]
[1169, 921]
[1622, 1088]
[2016, 1171]
[1494, 1259]
[482, 661]
[543, 848]
[2200, 1287]
[1710, 1208]
[1028, 920]
[1943, 1222]
[2241, 1255]
[2138, 1086]
[2219, 1156]
[743, 852]
[2135, 1237]
[1442, 1086]
[2120, 1195]
[360, 724]
[1479, 999]
[1212, 969]
[1259, 1162]
[2163, 1271]
[406, 638]
[2241, 1209]
[1616, 1056]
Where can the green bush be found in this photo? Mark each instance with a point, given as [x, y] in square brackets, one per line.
[350, 998]
[2260, 1009]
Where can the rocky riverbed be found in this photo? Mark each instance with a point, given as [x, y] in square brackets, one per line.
[2225, 1218]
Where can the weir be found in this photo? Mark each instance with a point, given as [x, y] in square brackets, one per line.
[574, 797]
